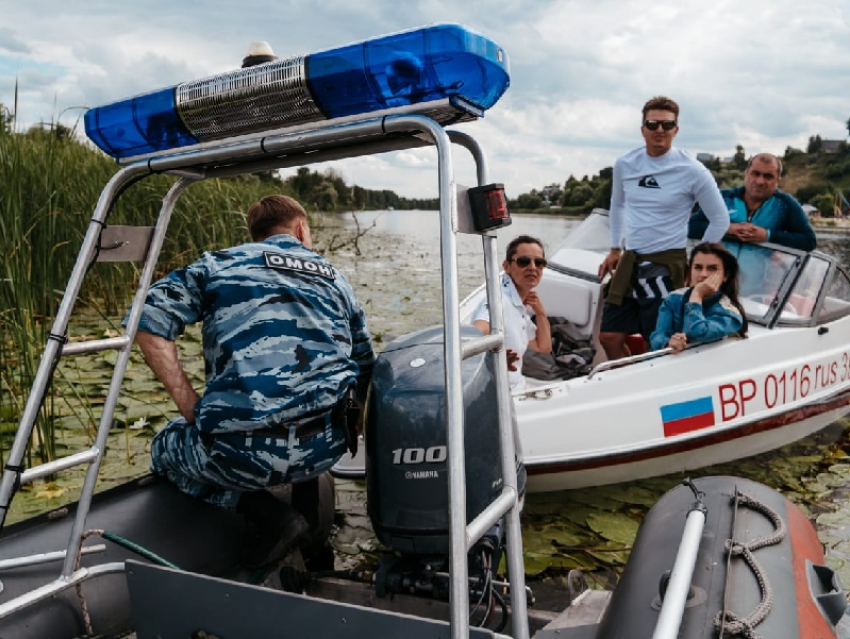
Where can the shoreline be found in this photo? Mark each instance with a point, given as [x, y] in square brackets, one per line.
[842, 225]
[832, 225]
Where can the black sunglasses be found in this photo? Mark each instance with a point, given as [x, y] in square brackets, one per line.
[667, 125]
[523, 260]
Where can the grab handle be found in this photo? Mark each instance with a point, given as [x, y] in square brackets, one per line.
[827, 591]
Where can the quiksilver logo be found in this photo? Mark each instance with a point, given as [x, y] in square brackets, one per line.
[649, 182]
[289, 263]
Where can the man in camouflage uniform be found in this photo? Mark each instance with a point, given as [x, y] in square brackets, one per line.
[284, 340]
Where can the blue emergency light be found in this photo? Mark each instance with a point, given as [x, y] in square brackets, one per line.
[417, 67]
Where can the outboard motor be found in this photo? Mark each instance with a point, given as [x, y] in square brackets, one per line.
[406, 454]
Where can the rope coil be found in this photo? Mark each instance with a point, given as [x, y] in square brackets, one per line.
[726, 621]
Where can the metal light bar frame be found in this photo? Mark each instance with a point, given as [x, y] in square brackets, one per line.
[366, 136]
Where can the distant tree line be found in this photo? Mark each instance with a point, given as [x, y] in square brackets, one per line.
[574, 196]
[826, 172]
[328, 191]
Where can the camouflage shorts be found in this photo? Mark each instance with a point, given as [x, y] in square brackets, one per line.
[219, 468]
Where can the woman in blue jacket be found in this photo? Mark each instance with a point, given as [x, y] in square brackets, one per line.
[706, 310]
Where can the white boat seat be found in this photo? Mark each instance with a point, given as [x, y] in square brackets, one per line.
[568, 298]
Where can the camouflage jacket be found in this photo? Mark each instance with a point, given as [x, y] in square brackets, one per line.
[283, 334]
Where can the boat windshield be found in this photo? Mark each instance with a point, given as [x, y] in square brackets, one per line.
[583, 250]
[775, 283]
[762, 273]
[788, 285]
[593, 234]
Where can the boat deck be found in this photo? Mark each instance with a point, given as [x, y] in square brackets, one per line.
[204, 541]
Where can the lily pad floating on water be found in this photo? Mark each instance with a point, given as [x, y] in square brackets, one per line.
[614, 527]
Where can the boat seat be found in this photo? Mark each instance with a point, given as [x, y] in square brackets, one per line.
[636, 344]
[802, 304]
[568, 298]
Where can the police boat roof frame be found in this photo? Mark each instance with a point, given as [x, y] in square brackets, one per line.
[375, 133]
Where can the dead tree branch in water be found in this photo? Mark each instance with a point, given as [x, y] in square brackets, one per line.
[338, 242]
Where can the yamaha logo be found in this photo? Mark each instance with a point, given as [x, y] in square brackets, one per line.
[421, 474]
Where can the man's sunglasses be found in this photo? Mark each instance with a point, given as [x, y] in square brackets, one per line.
[667, 125]
[523, 260]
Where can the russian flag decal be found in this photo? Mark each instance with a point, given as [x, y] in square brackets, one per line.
[685, 417]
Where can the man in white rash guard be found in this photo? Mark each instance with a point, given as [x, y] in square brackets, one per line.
[654, 191]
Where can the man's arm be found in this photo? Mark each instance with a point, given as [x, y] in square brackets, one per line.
[713, 207]
[361, 352]
[616, 213]
[161, 356]
[697, 224]
[797, 232]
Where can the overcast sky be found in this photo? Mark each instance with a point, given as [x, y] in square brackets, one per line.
[765, 74]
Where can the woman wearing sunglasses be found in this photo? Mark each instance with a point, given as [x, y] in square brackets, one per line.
[524, 263]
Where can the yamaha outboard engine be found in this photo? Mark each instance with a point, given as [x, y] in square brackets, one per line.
[406, 460]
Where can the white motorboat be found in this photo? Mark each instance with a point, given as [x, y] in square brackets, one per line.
[656, 413]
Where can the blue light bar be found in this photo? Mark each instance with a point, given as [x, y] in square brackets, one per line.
[439, 62]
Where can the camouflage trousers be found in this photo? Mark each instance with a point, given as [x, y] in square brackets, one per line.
[219, 468]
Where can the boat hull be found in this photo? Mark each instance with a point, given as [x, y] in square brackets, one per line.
[679, 457]
[712, 404]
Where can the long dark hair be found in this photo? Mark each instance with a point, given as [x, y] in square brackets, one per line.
[730, 270]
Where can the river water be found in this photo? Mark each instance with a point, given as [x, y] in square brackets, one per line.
[397, 279]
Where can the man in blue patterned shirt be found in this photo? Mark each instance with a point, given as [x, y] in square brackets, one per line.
[284, 341]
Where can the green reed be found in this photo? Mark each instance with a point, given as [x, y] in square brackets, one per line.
[49, 185]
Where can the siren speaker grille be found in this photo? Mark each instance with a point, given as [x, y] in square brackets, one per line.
[263, 97]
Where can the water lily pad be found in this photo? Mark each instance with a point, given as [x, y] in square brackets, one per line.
[534, 563]
[614, 527]
[50, 493]
[566, 536]
[611, 558]
[632, 494]
[594, 498]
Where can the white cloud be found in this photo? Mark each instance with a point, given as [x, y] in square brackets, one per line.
[762, 73]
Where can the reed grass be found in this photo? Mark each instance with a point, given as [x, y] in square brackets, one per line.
[51, 182]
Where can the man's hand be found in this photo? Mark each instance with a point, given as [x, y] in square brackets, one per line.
[747, 232]
[610, 262]
[513, 358]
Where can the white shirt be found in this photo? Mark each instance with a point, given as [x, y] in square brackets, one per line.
[652, 199]
[519, 329]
